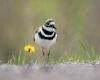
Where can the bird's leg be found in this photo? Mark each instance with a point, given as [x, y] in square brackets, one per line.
[43, 52]
[43, 56]
[48, 56]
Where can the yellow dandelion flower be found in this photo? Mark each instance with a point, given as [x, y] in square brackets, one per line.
[29, 48]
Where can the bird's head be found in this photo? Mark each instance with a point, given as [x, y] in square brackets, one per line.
[50, 23]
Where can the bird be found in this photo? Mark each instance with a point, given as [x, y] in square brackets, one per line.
[46, 37]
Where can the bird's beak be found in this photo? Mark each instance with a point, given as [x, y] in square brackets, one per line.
[53, 26]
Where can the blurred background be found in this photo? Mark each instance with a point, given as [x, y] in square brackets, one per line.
[75, 20]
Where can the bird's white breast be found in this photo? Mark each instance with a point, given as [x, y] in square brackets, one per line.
[45, 43]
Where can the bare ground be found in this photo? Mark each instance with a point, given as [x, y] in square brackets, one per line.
[62, 71]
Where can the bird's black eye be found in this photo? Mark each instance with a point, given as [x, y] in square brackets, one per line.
[47, 24]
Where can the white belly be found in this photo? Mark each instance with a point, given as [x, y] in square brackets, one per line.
[45, 43]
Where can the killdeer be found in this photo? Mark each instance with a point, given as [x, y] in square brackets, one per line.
[46, 36]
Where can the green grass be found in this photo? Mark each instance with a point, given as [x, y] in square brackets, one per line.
[86, 54]
[22, 58]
